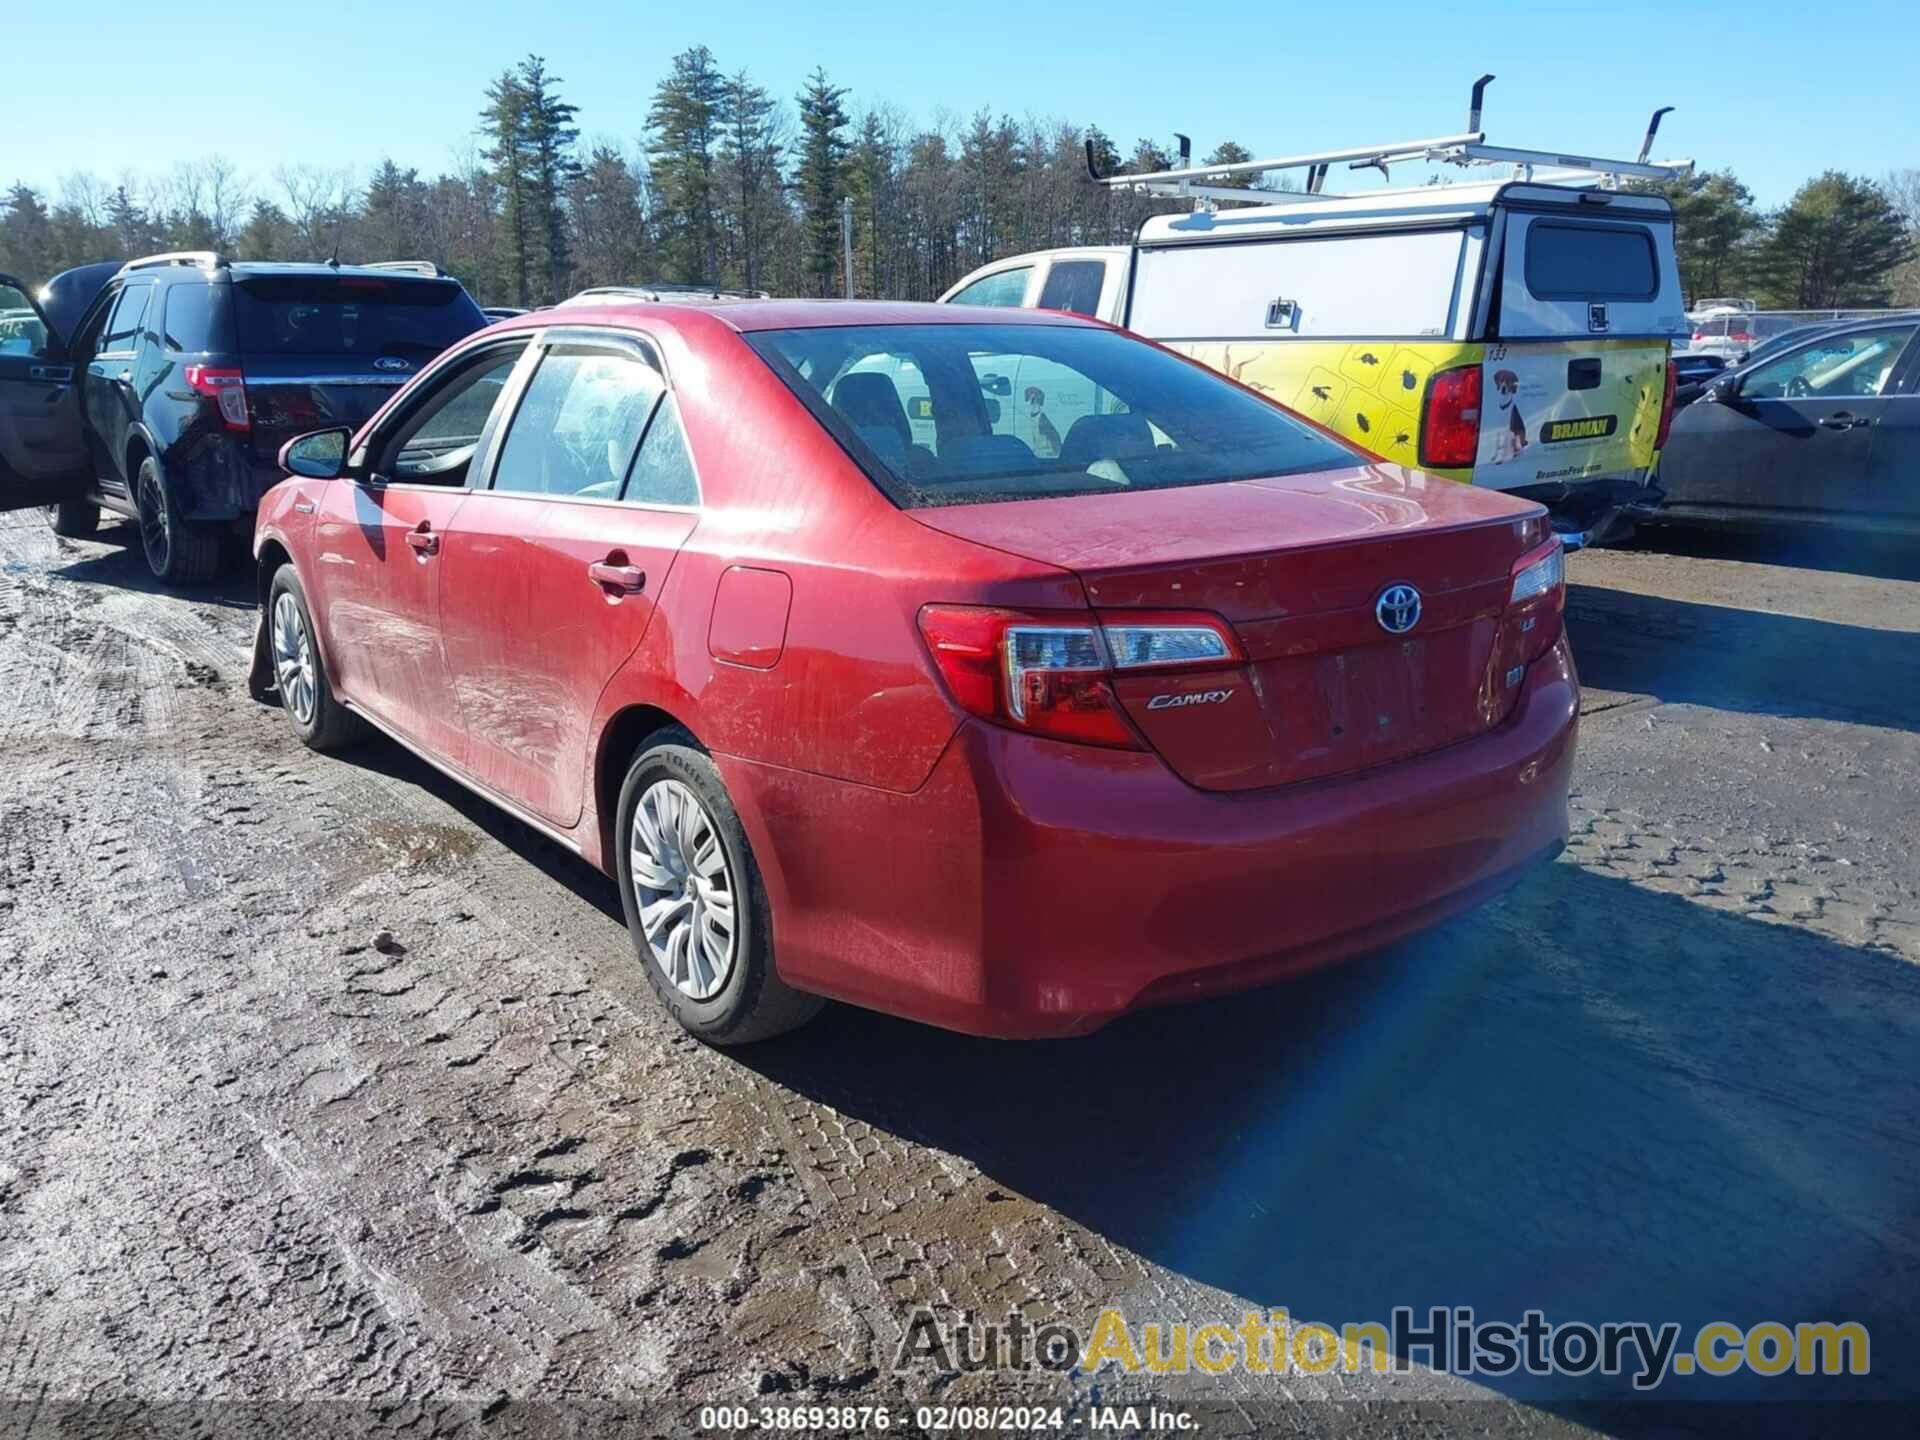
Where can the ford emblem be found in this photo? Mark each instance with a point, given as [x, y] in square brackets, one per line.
[392, 362]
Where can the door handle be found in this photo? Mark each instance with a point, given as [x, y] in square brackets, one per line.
[422, 539]
[1842, 421]
[627, 579]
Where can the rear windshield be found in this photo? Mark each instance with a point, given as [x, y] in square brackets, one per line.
[351, 315]
[1590, 262]
[959, 414]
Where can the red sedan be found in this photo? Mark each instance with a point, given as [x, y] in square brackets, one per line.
[992, 668]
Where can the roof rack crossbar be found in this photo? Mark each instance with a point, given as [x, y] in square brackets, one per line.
[1468, 148]
[205, 259]
[407, 267]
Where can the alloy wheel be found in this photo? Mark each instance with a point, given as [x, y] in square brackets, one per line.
[684, 888]
[293, 658]
[155, 533]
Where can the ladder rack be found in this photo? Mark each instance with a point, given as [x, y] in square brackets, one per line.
[1468, 148]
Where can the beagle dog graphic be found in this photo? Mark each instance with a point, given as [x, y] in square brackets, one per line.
[1511, 439]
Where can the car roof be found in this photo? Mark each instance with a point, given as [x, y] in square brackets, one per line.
[748, 316]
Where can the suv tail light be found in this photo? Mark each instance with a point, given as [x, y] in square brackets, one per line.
[1666, 409]
[1537, 600]
[1049, 672]
[1450, 434]
[227, 388]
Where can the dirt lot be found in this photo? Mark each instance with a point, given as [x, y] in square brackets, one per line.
[466, 1175]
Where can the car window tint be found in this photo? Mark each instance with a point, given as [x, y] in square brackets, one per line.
[575, 432]
[662, 472]
[1006, 289]
[451, 420]
[1854, 366]
[1017, 411]
[123, 329]
[1590, 262]
[359, 315]
[1074, 285]
[187, 324]
[21, 332]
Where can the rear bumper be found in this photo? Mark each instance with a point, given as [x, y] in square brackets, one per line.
[1038, 889]
[221, 482]
[1595, 510]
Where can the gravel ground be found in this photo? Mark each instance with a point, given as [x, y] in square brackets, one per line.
[322, 1083]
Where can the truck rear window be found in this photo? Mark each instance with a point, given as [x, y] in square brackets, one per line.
[351, 315]
[1590, 262]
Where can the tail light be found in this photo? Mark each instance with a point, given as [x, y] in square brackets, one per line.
[1537, 600]
[1666, 409]
[1050, 672]
[227, 388]
[1450, 434]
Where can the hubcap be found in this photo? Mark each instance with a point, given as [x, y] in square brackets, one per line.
[684, 888]
[292, 659]
[153, 519]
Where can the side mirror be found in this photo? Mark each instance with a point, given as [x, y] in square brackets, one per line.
[318, 455]
[1721, 389]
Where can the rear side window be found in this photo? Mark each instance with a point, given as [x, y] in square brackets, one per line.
[1590, 262]
[662, 472]
[1074, 285]
[1006, 289]
[122, 335]
[576, 430]
[351, 315]
[187, 324]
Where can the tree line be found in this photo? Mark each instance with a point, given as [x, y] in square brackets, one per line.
[734, 185]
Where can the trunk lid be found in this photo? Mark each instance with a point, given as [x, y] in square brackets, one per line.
[1297, 567]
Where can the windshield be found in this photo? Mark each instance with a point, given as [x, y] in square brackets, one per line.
[960, 414]
[351, 315]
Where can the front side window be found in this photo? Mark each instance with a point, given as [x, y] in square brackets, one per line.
[122, 335]
[576, 431]
[1590, 262]
[435, 444]
[21, 332]
[1020, 411]
[1853, 366]
[1006, 289]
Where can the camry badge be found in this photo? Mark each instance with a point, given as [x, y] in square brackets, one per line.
[1397, 609]
[1198, 697]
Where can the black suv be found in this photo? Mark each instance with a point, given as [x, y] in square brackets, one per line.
[163, 388]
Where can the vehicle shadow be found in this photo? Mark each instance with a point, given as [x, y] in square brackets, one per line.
[1748, 660]
[1591, 1099]
[125, 568]
[1885, 559]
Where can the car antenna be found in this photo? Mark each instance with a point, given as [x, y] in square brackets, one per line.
[333, 257]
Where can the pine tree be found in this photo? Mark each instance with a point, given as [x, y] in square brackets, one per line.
[1230, 152]
[504, 123]
[610, 221]
[749, 169]
[822, 153]
[682, 127]
[1836, 244]
[549, 136]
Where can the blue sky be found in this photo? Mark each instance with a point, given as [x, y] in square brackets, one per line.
[1777, 91]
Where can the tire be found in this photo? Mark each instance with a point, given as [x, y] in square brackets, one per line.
[306, 695]
[74, 519]
[178, 553]
[734, 1001]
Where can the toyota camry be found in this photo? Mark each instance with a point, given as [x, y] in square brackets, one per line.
[997, 669]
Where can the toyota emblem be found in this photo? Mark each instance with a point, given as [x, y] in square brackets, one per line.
[1397, 609]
